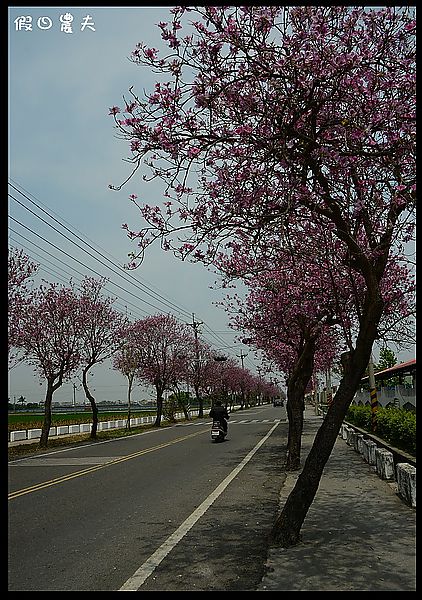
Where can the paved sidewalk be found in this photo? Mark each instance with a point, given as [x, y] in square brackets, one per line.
[358, 534]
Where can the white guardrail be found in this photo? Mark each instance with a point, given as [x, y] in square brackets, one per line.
[34, 434]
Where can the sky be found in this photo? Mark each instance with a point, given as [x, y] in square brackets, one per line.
[67, 66]
[64, 153]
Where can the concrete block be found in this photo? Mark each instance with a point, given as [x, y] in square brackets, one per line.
[15, 436]
[34, 434]
[53, 431]
[369, 448]
[120, 423]
[344, 432]
[406, 483]
[74, 428]
[372, 448]
[102, 425]
[358, 442]
[85, 427]
[62, 429]
[384, 463]
[349, 438]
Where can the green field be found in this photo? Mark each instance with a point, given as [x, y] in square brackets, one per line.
[18, 421]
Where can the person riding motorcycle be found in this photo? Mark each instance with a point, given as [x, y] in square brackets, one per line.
[219, 413]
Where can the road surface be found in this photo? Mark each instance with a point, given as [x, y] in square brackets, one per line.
[164, 510]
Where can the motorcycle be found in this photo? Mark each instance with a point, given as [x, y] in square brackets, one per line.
[217, 432]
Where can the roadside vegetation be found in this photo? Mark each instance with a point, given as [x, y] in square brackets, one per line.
[396, 426]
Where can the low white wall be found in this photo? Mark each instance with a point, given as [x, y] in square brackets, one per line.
[29, 434]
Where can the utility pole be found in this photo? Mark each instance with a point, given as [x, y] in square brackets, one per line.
[195, 325]
[242, 356]
[260, 370]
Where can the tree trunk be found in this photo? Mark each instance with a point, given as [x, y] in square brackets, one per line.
[91, 399]
[286, 531]
[298, 382]
[129, 395]
[186, 413]
[294, 439]
[159, 405]
[47, 414]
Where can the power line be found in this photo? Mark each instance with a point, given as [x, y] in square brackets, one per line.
[90, 254]
[149, 286]
[147, 289]
[81, 263]
[59, 275]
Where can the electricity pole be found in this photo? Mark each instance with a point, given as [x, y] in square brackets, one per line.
[195, 325]
[242, 356]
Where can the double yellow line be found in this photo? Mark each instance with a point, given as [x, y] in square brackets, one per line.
[57, 480]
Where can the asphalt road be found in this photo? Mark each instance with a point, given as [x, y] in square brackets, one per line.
[165, 510]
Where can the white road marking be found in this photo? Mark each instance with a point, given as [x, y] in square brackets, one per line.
[148, 567]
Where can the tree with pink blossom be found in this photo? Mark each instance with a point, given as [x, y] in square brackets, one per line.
[271, 118]
[126, 360]
[100, 331]
[20, 270]
[303, 308]
[50, 340]
[158, 345]
[289, 314]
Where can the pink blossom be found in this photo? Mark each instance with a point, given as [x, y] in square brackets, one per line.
[192, 152]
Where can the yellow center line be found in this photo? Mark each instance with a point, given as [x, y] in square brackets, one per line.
[57, 480]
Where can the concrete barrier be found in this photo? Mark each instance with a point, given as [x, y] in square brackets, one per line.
[33, 434]
[62, 429]
[16, 436]
[384, 462]
[74, 428]
[358, 442]
[368, 448]
[85, 427]
[406, 483]
[349, 437]
[345, 429]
